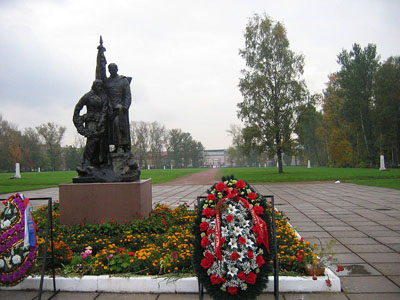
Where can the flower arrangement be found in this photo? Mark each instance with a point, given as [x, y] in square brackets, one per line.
[16, 257]
[322, 258]
[232, 230]
[162, 244]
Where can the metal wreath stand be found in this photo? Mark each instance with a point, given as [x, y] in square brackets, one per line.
[49, 227]
[274, 244]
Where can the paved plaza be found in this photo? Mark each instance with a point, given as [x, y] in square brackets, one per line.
[365, 222]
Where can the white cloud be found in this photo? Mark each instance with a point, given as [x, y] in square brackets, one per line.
[182, 55]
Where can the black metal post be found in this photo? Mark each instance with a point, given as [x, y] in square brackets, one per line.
[200, 285]
[276, 260]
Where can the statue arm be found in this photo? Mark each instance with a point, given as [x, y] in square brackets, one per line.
[77, 118]
[127, 94]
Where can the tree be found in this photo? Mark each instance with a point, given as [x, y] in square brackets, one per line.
[52, 135]
[243, 151]
[140, 134]
[388, 110]
[270, 86]
[72, 157]
[356, 78]
[10, 151]
[157, 142]
[335, 130]
[197, 154]
[183, 150]
[310, 143]
[32, 156]
[175, 147]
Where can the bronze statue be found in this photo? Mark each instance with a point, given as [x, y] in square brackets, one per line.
[119, 93]
[92, 125]
[107, 156]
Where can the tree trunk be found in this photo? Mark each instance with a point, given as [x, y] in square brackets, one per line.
[365, 138]
[280, 165]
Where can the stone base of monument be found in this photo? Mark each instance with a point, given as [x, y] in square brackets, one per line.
[96, 202]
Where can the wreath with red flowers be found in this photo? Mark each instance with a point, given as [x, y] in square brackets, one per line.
[232, 256]
[16, 257]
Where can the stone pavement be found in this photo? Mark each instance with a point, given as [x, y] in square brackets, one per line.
[365, 222]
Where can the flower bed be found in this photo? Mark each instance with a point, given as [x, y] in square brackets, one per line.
[158, 245]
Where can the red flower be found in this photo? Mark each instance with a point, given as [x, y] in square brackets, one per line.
[209, 231]
[339, 268]
[174, 255]
[328, 282]
[112, 221]
[232, 290]
[314, 277]
[163, 221]
[204, 226]
[242, 240]
[234, 256]
[215, 279]
[252, 196]
[222, 240]
[229, 218]
[258, 210]
[250, 254]
[131, 253]
[209, 256]
[211, 197]
[121, 250]
[205, 263]
[205, 242]
[240, 184]
[242, 276]
[101, 222]
[220, 187]
[251, 278]
[223, 280]
[231, 194]
[260, 260]
[208, 212]
[300, 258]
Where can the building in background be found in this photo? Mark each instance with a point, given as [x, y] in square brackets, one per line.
[216, 158]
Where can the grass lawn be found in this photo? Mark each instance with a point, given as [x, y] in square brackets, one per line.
[34, 181]
[390, 179]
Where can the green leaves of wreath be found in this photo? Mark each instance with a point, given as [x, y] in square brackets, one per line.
[232, 257]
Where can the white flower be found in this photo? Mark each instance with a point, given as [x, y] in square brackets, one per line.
[249, 243]
[1, 264]
[244, 223]
[232, 271]
[231, 209]
[233, 243]
[224, 231]
[241, 256]
[16, 259]
[237, 231]
[6, 223]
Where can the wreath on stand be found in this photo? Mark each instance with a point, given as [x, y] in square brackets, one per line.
[232, 256]
[18, 247]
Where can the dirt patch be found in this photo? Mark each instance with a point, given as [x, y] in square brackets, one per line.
[207, 177]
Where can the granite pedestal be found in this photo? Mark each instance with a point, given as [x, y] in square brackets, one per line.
[96, 202]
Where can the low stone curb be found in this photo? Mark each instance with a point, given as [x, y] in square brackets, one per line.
[163, 285]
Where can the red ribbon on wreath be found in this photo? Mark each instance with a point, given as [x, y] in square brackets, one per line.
[260, 225]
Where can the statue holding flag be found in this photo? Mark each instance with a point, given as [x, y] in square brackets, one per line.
[107, 156]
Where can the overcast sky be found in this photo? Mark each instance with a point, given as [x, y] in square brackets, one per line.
[182, 55]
